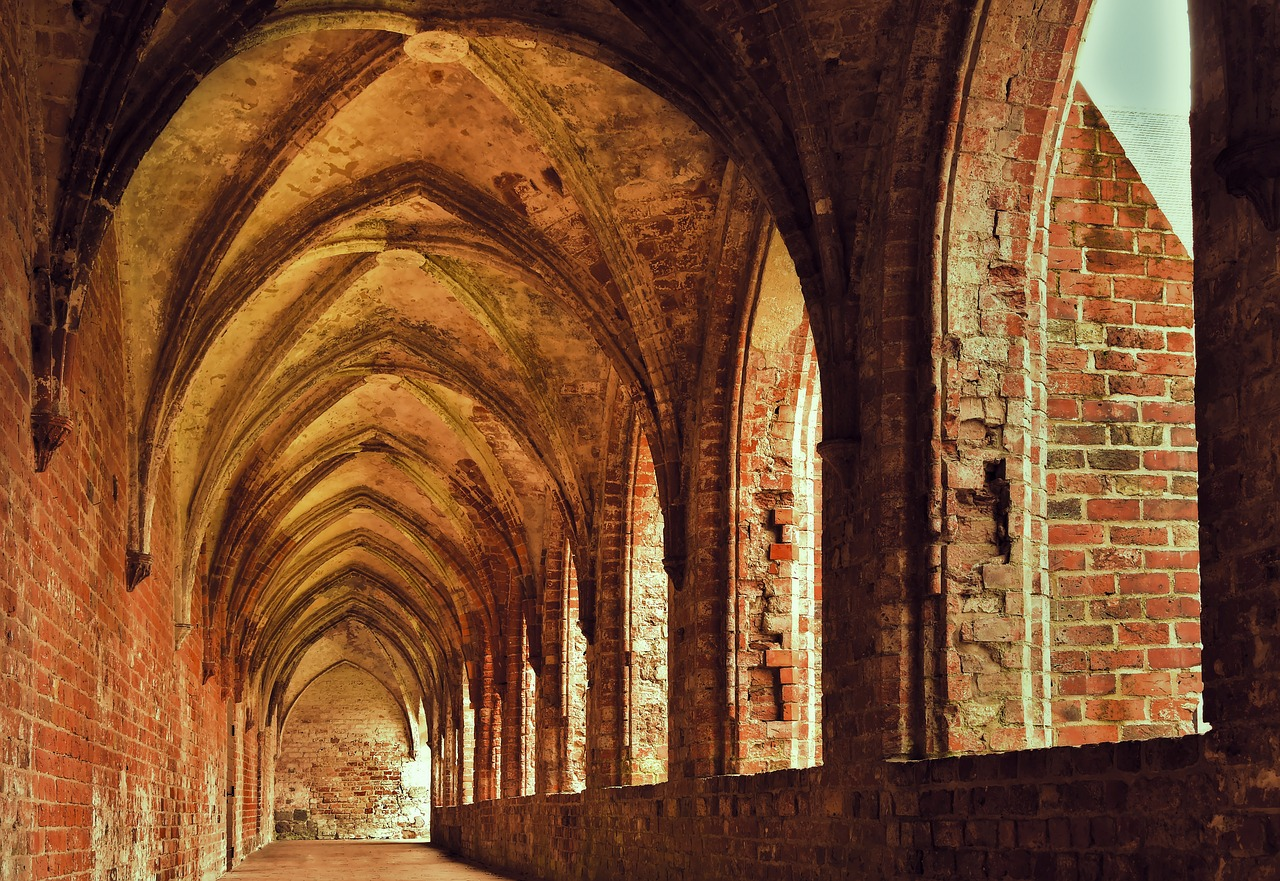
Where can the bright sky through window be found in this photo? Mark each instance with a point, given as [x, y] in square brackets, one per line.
[1135, 63]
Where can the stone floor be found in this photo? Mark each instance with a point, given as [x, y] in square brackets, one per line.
[354, 861]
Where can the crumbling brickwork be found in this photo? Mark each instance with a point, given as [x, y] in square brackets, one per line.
[778, 577]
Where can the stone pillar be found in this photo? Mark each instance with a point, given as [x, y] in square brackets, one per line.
[698, 646]
[551, 720]
[512, 691]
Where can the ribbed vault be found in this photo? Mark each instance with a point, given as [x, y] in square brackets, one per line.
[387, 279]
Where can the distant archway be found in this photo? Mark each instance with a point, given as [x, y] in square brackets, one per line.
[346, 767]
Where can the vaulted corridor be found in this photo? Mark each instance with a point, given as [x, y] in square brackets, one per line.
[646, 439]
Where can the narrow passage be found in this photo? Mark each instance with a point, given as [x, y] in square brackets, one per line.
[354, 861]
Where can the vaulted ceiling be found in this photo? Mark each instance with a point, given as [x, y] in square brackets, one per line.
[384, 294]
[395, 272]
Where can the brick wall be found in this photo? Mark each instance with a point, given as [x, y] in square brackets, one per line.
[115, 750]
[114, 745]
[1117, 812]
[343, 770]
[1121, 479]
[251, 790]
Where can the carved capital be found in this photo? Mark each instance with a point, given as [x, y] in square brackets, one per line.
[842, 455]
[675, 566]
[180, 634]
[674, 544]
[1251, 168]
[137, 568]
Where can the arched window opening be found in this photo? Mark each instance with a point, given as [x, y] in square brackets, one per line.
[467, 747]
[528, 722]
[645, 598]
[806, 578]
[778, 577]
[495, 733]
[1121, 462]
[573, 682]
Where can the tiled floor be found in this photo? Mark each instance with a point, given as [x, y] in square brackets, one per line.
[354, 861]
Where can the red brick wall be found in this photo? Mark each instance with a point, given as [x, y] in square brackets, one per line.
[114, 749]
[343, 757]
[1123, 548]
[252, 807]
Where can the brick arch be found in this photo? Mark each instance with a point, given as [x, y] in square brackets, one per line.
[161, 74]
[626, 718]
[645, 604]
[404, 711]
[985, 684]
[182, 354]
[428, 669]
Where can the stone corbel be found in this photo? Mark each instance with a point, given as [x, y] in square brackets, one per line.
[208, 667]
[842, 455]
[137, 568]
[52, 359]
[675, 548]
[1251, 168]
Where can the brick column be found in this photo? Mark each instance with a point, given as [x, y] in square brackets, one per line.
[1237, 306]
[512, 691]
[488, 748]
